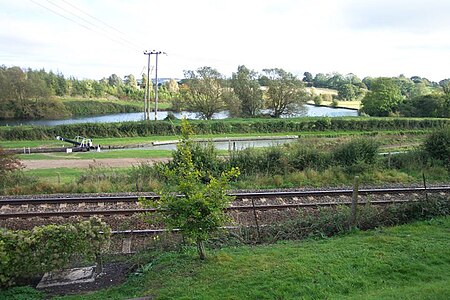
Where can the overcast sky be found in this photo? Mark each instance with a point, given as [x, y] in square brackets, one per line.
[95, 38]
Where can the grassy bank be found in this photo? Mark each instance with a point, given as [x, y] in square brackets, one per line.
[403, 262]
[93, 106]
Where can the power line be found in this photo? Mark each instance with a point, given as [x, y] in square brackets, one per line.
[95, 18]
[114, 38]
[80, 24]
[95, 25]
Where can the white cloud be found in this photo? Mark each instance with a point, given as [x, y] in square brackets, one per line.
[376, 38]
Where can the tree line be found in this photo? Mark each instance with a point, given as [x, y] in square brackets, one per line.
[247, 93]
[36, 94]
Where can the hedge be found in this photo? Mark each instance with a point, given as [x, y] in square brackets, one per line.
[25, 253]
[147, 128]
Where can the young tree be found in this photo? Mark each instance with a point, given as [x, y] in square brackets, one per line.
[285, 92]
[383, 98]
[8, 162]
[203, 91]
[246, 87]
[189, 203]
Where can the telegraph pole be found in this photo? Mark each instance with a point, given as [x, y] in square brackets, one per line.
[156, 81]
[147, 89]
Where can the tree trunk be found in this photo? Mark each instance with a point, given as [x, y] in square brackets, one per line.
[201, 249]
[99, 263]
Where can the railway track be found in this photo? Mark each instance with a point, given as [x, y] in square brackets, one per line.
[49, 207]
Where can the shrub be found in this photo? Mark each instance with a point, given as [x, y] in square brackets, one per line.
[302, 158]
[356, 152]
[437, 145]
[334, 103]
[50, 247]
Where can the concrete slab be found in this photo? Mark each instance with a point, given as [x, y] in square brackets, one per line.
[65, 277]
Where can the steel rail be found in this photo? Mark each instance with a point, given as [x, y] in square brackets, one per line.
[128, 212]
[249, 195]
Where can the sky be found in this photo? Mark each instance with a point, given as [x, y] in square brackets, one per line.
[92, 39]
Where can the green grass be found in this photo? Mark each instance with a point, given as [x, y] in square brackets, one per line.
[418, 134]
[404, 262]
[126, 153]
[62, 175]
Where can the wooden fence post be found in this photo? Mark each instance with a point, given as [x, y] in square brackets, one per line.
[256, 220]
[352, 221]
[425, 186]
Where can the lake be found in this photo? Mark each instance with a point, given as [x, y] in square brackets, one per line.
[306, 111]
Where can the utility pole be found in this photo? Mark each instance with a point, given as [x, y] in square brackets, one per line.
[147, 89]
[156, 81]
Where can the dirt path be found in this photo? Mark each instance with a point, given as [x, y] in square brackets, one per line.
[85, 163]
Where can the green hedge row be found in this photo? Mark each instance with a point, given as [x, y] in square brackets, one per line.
[25, 253]
[147, 128]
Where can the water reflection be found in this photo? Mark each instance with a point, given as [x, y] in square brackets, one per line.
[306, 111]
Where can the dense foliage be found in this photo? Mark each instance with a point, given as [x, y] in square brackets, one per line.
[37, 94]
[285, 93]
[204, 92]
[246, 87]
[437, 145]
[383, 99]
[193, 200]
[26, 253]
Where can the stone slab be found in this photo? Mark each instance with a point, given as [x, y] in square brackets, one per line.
[65, 277]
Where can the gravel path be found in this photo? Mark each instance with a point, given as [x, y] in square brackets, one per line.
[85, 163]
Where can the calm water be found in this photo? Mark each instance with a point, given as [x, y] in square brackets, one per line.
[229, 145]
[308, 110]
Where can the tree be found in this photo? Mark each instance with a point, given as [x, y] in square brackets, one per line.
[347, 92]
[114, 80]
[130, 81]
[335, 80]
[307, 77]
[431, 105]
[383, 99]
[203, 91]
[245, 85]
[368, 82]
[189, 203]
[172, 86]
[320, 80]
[285, 92]
[445, 85]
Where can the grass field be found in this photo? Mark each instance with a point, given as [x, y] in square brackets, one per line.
[404, 262]
[126, 153]
[405, 134]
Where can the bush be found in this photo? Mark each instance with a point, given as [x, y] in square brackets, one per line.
[25, 253]
[356, 152]
[437, 145]
[302, 158]
[205, 158]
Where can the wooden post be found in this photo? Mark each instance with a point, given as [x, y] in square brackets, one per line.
[256, 220]
[352, 222]
[425, 185]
